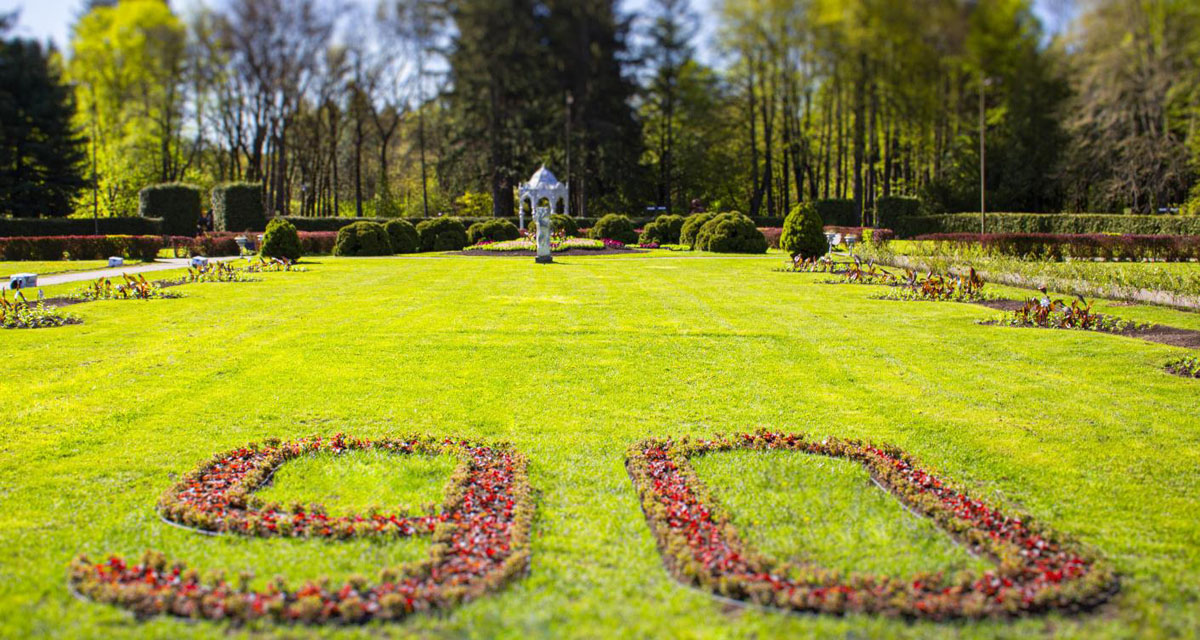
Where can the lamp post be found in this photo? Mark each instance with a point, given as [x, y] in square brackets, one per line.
[986, 82]
[570, 101]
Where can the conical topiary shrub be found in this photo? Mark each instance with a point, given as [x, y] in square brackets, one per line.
[804, 232]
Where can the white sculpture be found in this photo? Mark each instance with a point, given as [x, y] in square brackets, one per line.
[543, 185]
[541, 216]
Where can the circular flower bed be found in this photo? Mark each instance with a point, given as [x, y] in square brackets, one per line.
[1037, 569]
[480, 540]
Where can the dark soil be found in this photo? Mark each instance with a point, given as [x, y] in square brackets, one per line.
[530, 254]
[1174, 336]
[1181, 372]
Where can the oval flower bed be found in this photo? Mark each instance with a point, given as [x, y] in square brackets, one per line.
[1187, 367]
[1037, 568]
[480, 539]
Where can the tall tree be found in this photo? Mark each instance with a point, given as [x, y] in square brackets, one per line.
[670, 52]
[41, 154]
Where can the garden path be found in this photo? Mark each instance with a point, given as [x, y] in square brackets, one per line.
[162, 264]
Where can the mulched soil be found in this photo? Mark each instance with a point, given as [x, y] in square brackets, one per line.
[1173, 336]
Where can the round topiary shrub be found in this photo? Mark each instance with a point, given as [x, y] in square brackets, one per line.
[177, 204]
[691, 227]
[803, 232]
[561, 224]
[664, 230]
[731, 233]
[281, 241]
[492, 230]
[362, 239]
[442, 234]
[403, 236]
[614, 226]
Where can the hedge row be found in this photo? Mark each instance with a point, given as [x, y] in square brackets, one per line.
[333, 224]
[48, 248]
[41, 227]
[177, 204]
[1048, 246]
[225, 244]
[1056, 223]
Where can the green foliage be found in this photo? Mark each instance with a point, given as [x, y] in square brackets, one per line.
[474, 204]
[403, 236]
[494, 230]
[363, 239]
[561, 223]
[614, 226]
[178, 205]
[1050, 223]
[442, 234]
[238, 207]
[890, 210]
[131, 226]
[731, 233]
[838, 212]
[281, 240]
[691, 227]
[664, 230]
[803, 232]
[41, 155]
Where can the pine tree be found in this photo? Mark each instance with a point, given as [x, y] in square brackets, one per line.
[41, 155]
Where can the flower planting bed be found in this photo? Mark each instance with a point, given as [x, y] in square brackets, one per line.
[480, 539]
[20, 314]
[561, 247]
[1079, 316]
[1187, 367]
[1037, 569]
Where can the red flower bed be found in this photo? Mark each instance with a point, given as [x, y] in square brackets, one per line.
[1037, 569]
[480, 540]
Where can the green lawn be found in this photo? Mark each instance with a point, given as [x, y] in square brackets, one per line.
[7, 268]
[572, 363]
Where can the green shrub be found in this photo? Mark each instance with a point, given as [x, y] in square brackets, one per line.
[494, 230]
[614, 226]
[890, 209]
[442, 234]
[403, 236]
[177, 204]
[238, 207]
[362, 239]
[560, 223]
[838, 212]
[691, 227]
[664, 230]
[1058, 223]
[803, 232]
[281, 241]
[731, 233]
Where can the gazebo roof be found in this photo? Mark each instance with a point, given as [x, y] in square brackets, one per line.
[542, 179]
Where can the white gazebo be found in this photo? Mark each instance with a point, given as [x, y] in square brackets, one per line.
[543, 186]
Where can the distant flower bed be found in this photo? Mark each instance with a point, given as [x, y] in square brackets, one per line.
[1188, 367]
[20, 314]
[1037, 569]
[134, 287]
[480, 540]
[556, 245]
[1056, 314]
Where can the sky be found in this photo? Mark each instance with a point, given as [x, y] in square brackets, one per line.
[51, 19]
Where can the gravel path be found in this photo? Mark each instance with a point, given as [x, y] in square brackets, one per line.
[162, 264]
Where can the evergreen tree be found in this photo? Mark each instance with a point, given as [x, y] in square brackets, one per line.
[41, 155]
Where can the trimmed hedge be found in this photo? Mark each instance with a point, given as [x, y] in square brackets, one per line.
[176, 204]
[281, 241]
[497, 230]
[1057, 223]
[363, 239]
[238, 206]
[1048, 246]
[691, 227]
[614, 226]
[49, 248]
[317, 243]
[664, 230]
[731, 233]
[44, 227]
[838, 212]
[335, 223]
[804, 233]
[889, 210]
[442, 234]
[403, 236]
[560, 223]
